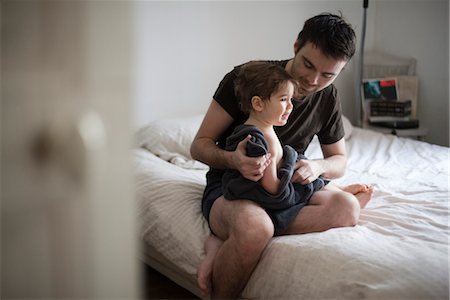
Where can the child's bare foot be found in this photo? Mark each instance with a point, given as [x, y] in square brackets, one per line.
[204, 271]
[363, 192]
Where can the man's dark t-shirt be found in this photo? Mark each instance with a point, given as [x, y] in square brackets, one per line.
[317, 114]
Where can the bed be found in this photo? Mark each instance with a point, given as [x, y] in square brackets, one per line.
[398, 250]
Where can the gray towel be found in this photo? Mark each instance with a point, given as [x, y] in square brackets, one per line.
[285, 204]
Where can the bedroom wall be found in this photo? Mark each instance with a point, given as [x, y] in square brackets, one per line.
[420, 29]
[183, 49]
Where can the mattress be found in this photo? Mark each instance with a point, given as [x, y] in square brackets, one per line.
[398, 250]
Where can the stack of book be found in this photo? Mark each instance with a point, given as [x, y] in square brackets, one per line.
[383, 104]
[389, 110]
[392, 114]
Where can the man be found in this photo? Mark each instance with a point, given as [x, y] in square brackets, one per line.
[322, 49]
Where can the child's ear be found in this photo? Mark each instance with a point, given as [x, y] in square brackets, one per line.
[257, 103]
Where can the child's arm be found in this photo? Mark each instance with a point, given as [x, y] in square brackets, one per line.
[270, 181]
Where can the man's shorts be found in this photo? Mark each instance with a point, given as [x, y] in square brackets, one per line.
[212, 191]
[281, 219]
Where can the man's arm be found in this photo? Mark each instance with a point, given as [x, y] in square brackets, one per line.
[331, 166]
[204, 147]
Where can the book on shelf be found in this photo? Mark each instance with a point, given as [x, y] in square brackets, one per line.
[380, 88]
[374, 119]
[389, 99]
[396, 108]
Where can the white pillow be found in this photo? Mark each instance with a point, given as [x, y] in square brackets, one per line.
[171, 139]
[348, 127]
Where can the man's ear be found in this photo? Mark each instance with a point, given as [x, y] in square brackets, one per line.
[257, 103]
[296, 47]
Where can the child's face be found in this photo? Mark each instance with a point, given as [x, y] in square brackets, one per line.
[279, 106]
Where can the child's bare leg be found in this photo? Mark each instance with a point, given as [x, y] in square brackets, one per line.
[363, 192]
[204, 271]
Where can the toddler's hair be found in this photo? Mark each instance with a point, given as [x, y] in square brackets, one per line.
[259, 78]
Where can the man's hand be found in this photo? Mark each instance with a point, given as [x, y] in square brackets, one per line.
[307, 171]
[251, 168]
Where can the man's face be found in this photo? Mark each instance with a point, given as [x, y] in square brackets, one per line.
[313, 69]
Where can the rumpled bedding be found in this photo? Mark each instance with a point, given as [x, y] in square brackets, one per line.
[398, 250]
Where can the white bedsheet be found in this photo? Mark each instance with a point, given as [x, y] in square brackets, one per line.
[398, 250]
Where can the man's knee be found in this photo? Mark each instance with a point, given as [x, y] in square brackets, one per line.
[244, 221]
[347, 210]
[252, 232]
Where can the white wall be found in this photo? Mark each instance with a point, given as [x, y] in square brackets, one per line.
[183, 49]
[420, 29]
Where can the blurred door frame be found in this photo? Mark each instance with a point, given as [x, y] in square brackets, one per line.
[67, 211]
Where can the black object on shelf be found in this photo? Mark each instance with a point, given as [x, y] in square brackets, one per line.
[409, 124]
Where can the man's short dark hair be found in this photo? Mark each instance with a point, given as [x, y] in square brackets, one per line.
[331, 34]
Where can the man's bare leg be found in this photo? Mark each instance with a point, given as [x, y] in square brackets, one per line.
[330, 207]
[204, 271]
[246, 230]
[314, 212]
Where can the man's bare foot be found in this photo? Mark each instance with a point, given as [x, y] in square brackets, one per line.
[204, 271]
[355, 188]
[363, 192]
[364, 197]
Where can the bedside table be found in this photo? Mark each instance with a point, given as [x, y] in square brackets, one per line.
[415, 133]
